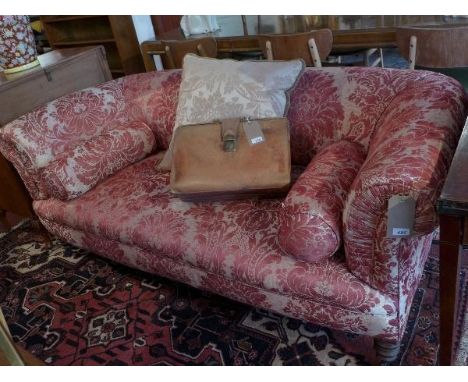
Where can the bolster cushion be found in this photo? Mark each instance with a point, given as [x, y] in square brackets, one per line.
[81, 168]
[311, 215]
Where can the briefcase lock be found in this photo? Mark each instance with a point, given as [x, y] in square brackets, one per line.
[230, 134]
[229, 143]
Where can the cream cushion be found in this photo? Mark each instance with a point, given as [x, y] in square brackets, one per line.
[213, 89]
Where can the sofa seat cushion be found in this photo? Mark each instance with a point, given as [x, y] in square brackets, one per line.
[236, 239]
[311, 216]
[81, 168]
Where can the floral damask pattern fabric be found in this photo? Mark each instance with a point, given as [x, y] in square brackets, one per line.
[409, 155]
[40, 137]
[406, 122]
[378, 317]
[45, 133]
[80, 169]
[216, 89]
[310, 218]
[237, 240]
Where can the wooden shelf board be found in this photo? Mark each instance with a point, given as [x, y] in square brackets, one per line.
[68, 18]
[116, 33]
[84, 42]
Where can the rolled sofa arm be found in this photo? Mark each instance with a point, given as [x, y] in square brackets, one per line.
[36, 139]
[409, 154]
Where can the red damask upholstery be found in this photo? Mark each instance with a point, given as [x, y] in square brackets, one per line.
[235, 242]
[78, 170]
[34, 140]
[386, 131]
[310, 218]
[410, 154]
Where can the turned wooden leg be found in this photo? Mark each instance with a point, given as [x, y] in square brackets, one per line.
[386, 351]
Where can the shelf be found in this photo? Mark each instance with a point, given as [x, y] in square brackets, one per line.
[82, 30]
[116, 33]
[116, 73]
[58, 19]
[84, 42]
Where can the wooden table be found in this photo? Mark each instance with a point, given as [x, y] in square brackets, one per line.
[453, 211]
[350, 33]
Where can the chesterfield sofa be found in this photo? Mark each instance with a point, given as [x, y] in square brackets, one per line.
[358, 137]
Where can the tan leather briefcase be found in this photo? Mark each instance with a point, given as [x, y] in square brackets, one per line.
[231, 159]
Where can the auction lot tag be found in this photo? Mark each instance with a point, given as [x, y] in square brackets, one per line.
[253, 132]
[400, 216]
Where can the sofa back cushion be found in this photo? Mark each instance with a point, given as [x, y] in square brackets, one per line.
[331, 104]
[81, 168]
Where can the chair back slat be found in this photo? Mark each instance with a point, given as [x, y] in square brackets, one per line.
[436, 47]
[205, 46]
[292, 46]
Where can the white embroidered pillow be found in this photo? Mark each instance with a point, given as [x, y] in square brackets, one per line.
[214, 89]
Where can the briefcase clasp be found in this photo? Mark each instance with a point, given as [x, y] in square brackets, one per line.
[230, 134]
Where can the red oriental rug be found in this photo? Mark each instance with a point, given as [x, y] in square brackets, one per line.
[70, 307]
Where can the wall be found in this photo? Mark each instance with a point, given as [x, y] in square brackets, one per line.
[145, 31]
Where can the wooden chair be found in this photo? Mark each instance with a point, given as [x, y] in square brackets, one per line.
[312, 47]
[434, 47]
[379, 59]
[172, 52]
[244, 25]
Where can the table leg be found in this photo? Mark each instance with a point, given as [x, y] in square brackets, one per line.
[451, 229]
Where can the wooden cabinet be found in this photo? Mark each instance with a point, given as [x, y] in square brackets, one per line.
[13, 195]
[166, 23]
[116, 33]
[61, 72]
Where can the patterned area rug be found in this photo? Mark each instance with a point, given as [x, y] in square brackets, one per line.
[70, 307]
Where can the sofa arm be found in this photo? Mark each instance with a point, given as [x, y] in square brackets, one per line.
[38, 138]
[310, 218]
[409, 154]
